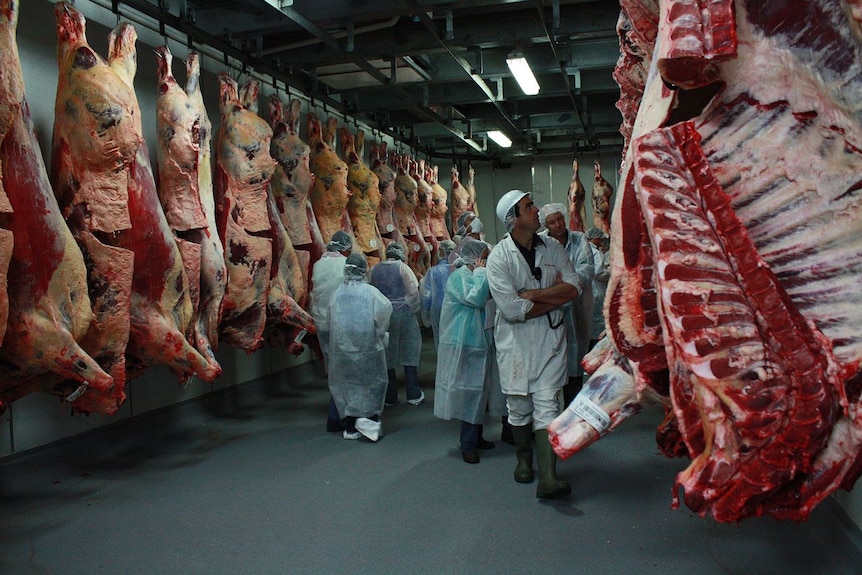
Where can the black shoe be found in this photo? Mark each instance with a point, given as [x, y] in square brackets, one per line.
[333, 425]
[470, 456]
[485, 444]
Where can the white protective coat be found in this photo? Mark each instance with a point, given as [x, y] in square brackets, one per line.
[326, 276]
[579, 315]
[531, 356]
[357, 321]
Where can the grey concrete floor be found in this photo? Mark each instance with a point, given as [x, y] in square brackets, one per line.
[248, 481]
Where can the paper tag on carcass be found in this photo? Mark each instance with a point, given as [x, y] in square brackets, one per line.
[300, 335]
[584, 408]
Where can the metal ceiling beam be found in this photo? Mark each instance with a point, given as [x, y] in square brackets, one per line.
[420, 111]
[479, 81]
[584, 124]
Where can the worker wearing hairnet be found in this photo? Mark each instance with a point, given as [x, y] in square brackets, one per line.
[530, 278]
[602, 264]
[472, 228]
[398, 283]
[461, 388]
[357, 322]
[461, 224]
[579, 316]
[326, 275]
[432, 288]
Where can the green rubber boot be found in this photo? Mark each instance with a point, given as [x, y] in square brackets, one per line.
[523, 435]
[549, 486]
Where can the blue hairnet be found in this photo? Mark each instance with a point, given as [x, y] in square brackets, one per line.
[395, 251]
[355, 268]
[549, 209]
[595, 234]
[340, 241]
[471, 250]
[446, 247]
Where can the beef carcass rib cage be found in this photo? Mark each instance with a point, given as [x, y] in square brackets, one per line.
[737, 251]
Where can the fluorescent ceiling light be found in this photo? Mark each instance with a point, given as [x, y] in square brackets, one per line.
[523, 74]
[500, 138]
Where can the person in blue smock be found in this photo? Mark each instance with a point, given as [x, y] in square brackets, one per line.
[433, 288]
[461, 386]
[398, 283]
[357, 325]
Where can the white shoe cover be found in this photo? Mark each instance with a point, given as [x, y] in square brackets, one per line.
[371, 429]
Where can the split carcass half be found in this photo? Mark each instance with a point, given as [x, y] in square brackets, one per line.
[213, 277]
[737, 251]
[161, 311]
[181, 130]
[244, 167]
[48, 306]
[364, 197]
[439, 204]
[329, 194]
[576, 196]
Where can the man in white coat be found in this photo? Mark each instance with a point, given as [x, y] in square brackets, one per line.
[530, 278]
[579, 315]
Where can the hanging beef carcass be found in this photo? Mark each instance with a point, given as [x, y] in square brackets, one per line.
[11, 98]
[161, 309]
[364, 197]
[470, 185]
[424, 205]
[49, 309]
[439, 205]
[329, 194]
[576, 197]
[292, 182]
[284, 316]
[244, 167]
[94, 145]
[213, 278]
[753, 260]
[417, 254]
[601, 195]
[386, 222]
[181, 130]
[460, 200]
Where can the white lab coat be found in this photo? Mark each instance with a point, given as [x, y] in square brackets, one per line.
[602, 263]
[531, 356]
[579, 317]
[460, 390]
[357, 321]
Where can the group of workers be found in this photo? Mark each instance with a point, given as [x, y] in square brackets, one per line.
[511, 324]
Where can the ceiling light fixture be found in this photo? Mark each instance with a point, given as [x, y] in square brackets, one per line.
[523, 74]
[502, 140]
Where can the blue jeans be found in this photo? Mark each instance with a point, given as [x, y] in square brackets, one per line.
[470, 433]
[411, 382]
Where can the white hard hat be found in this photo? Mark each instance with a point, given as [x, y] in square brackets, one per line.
[508, 200]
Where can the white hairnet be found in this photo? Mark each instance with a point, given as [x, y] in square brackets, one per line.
[460, 226]
[446, 247]
[395, 251]
[476, 227]
[549, 209]
[341, 241]
[471, 250]
[355, 268]
[595, 234]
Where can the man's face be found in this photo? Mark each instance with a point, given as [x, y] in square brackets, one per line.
[528, 217]
[556, 225]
